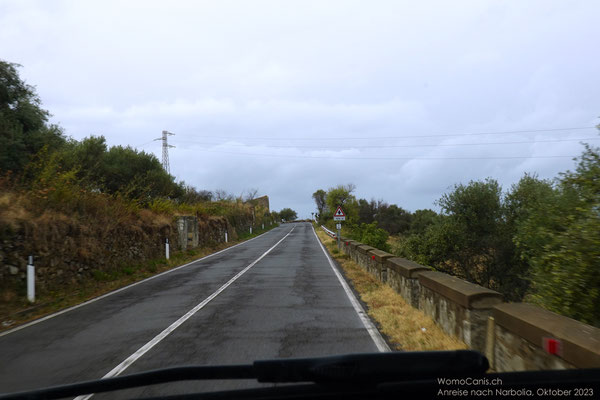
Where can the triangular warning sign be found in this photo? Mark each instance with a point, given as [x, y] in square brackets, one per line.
[339, 212]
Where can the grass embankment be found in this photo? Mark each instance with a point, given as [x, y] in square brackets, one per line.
[405, 327]
[16, 310]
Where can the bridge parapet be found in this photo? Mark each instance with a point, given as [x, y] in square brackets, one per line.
[403, 277]
[522, 331]
[361, 255]
[347, 245]
[514, 336]
[376, 264]
[459, 307]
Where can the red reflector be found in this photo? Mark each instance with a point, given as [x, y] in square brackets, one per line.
[346, 243]
[372, 257]
[552, 346]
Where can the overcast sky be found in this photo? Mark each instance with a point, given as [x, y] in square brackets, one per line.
[293, 96]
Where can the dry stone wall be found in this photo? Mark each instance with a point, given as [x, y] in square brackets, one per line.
[67, 251]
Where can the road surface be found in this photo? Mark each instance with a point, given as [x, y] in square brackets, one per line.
[275, 296]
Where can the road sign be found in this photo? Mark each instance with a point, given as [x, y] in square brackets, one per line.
[338, 226]
[339, 214]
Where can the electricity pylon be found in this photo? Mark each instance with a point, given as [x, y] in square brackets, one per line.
[165, 150]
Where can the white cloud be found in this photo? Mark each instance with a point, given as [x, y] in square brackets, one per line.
[210, 71]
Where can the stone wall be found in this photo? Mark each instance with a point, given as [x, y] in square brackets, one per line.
[522, 331]
[67, 251]
[459, 307]
[514, 336]
[403, 277]
[193, 231]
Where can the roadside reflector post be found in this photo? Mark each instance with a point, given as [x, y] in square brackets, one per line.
[167, 249]
[263, 225]
[225, 236]
[251, 230]
[31, 281]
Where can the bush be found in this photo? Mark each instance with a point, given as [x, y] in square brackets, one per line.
[371, 235]
[560, 240]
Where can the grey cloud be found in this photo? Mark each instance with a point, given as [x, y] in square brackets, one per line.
[212, 71]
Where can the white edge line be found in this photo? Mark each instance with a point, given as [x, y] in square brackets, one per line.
[145, 348]
[18, 328]
[373, 332]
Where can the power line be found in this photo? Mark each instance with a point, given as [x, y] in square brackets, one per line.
[405, 136]
[393, 146]
[144, 144]
[386, 158]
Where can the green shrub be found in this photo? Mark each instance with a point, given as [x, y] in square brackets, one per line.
[371, 235]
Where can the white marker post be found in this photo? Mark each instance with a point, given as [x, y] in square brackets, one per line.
[167, 249]
[251, 230]
[225, 236]
[263, 225]
[31, 281]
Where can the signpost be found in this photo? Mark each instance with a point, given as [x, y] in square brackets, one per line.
[339, 215]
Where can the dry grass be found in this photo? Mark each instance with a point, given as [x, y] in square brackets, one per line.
[406, 327]
[11, 210]
[394, 242]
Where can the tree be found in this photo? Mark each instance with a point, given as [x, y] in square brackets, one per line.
[137, 175]
[474, 214]
[341, 195]
[223, 195]
[392, 218]
[366, 211]
[192, 195]
[523, 205]
[471, 239]
[287, 214]
[250, 194]
[23, 129]
[432, 246]
[560, 239]
[275, 215]
[87, 158]
[320, 199]
[421, 219]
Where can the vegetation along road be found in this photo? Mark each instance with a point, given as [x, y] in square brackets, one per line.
[275, 296]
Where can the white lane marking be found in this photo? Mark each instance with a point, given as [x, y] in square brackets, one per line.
[373, 332]
[145, 348]
[37, 321]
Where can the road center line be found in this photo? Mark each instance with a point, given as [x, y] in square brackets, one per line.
[145, 348]
[373, 332]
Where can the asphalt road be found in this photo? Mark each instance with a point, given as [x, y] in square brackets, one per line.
[285, 301]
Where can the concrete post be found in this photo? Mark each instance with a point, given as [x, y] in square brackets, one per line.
[225, 236]
[167, 249]
[251, 230]
[31, 281]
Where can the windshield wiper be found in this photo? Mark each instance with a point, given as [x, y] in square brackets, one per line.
[353, 368]
[379, 375]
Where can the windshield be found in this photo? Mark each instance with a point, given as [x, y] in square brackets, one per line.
[215, 183]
